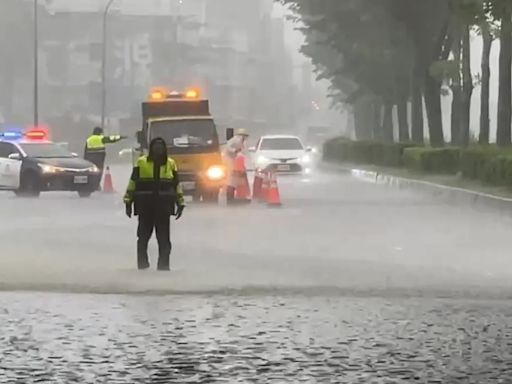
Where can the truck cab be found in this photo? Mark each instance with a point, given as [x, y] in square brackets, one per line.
[184, 121]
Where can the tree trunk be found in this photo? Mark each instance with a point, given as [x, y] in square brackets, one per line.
[505, 81]
[362, 119]
[403, 123]
[417, 130]
[433, 90]
[377, 120]
[467, 89]
[434, 112]
[387, 125]
[486, 80]
[456, 86]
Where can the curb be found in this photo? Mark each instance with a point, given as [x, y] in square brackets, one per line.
[453, 194]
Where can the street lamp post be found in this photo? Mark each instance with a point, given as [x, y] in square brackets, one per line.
[104, 64]
[36, 64]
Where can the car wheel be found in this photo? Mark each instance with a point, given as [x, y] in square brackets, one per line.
[85, 194]
[30, 185]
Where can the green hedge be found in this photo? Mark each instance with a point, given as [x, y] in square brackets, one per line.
[475, 160]
[489, 164]
[365, 152]
[432, 160]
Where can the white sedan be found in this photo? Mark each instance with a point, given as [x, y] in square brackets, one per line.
[282, 154]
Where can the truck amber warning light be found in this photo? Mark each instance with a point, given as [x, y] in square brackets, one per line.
[192, 94]
[162, 94]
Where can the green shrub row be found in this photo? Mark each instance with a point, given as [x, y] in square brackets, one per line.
[489, 164]
[365, 152]
[432, 160]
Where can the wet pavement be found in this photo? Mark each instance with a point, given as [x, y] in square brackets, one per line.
[332, 234]
[49, 338]
[348, 282]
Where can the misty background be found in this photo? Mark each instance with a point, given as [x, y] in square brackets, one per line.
[243, 55]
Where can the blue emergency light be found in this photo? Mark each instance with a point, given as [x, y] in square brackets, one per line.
[12, 135]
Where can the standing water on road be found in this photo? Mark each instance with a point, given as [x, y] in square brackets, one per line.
[347, 275]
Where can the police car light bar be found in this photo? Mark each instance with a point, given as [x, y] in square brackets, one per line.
[11, 135]
[36, 134]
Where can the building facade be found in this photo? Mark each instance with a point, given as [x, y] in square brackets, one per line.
[234, 50]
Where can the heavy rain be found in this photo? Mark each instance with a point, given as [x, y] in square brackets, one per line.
[335, 177]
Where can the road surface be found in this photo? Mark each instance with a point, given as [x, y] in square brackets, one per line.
[347, 282]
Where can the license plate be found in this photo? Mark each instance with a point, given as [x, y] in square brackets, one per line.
[188, 185]
[80, 180]
[284, 167]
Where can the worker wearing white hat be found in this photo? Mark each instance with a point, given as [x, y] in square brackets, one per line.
[233, 147]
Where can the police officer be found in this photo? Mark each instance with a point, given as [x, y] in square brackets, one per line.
[156, 195]
[95, 151]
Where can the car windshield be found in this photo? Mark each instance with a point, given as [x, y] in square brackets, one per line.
[282, 143]
[183, 134]
[46, 150]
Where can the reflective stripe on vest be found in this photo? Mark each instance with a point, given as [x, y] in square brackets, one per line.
[95, 143]
[146, 183]
[146, 169]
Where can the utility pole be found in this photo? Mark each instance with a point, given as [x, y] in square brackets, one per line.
[104, 64]
[36, 64]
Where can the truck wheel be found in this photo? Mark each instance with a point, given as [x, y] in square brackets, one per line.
[196, 196]
[30, 185]
[211, 197]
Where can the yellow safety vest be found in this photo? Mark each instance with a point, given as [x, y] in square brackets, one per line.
[97, 142]
[142, 182]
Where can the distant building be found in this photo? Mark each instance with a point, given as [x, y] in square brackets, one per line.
[233, 49]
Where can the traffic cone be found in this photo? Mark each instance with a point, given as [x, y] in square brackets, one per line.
[265, 187]
[108, 185]
[273, 198]
[243, 190]
[257, 187]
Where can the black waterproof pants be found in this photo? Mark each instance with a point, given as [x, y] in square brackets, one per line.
[98, 159]
[161, 223]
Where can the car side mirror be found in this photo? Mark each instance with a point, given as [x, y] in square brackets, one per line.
[252, 149]
[230, 133]
[14, 156]
[309, 149]
[140, 137]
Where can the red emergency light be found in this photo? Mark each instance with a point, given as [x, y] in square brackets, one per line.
[36, 134]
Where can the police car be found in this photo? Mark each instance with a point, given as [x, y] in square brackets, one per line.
[30, 164]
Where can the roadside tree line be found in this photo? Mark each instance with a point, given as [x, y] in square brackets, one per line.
[406, 54]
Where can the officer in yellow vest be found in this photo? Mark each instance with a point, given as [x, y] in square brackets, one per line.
[155, 192]
[95, 151]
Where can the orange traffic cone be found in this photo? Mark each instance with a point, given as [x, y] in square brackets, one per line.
[257, 187]
[108, 185]
[273, 198]
[243, 190]
[265, 187]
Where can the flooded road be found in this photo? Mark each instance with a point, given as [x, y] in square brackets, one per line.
[48, 338]
[348, 282]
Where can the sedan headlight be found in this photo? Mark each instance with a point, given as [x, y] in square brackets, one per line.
[306, 159]
[49, 168]
[262, 160]
[215, 172]
[93, 169]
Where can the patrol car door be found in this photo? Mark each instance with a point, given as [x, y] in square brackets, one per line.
[9, 168]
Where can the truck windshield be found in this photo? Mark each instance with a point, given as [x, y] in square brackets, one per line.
[183, 135]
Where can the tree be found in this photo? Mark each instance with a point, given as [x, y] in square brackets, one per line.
[503, 136]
